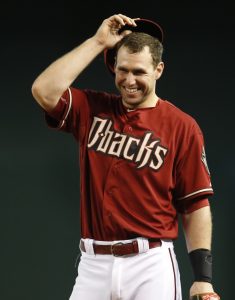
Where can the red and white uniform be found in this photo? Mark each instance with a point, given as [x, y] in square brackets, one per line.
[138, 168]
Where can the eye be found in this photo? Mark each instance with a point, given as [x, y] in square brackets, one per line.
[122, 71]
[139, 72]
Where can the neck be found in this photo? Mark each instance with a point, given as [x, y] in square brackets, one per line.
[145, 104]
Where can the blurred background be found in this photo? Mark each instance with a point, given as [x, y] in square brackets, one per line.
[40, 226]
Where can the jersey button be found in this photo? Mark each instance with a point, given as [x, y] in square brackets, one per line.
[130, 128]
[110, 192]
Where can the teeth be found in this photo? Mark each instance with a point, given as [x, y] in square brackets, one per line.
[131, 90]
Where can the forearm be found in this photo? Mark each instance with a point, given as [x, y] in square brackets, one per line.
[51, 83]
[198, 229]
[198, 233]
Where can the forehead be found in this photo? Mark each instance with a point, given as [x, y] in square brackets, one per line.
[125, 58]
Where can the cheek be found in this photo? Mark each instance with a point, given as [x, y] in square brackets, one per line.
[118, 79]
[117, 84]
[146, 84]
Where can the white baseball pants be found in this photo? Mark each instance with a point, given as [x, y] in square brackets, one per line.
[151, 275]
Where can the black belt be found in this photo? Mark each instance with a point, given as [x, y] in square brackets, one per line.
[120, 249]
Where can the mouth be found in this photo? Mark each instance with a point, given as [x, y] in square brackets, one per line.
[131, 91]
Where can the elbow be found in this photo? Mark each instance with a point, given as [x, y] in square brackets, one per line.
[38, 92]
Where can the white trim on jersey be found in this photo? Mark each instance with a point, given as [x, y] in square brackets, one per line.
[197, 192]
[70, 105]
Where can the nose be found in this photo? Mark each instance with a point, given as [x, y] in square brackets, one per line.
[130, 79]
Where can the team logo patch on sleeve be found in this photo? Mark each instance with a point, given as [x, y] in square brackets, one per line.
[203, 158]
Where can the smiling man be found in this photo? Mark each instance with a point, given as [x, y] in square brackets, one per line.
[142, 164]
[137, 70]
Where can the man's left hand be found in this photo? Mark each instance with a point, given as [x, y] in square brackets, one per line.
[201, 288]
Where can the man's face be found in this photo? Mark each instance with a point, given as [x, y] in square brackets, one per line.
[136, 78]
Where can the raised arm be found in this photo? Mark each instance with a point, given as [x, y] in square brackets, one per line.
[55, 79]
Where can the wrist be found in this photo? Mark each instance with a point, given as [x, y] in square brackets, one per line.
[97, 43]
[201, 261]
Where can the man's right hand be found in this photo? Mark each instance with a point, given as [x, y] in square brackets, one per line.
[108, 33]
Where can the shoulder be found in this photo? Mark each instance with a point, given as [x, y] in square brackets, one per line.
[177, 116]
[95, 98]
[93, 94]
[100, 95]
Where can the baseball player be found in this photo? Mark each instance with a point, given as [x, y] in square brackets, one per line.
[142, 164]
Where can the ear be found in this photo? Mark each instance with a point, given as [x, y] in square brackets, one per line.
[159, 69]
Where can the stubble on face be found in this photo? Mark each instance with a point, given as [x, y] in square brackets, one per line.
[136, 78]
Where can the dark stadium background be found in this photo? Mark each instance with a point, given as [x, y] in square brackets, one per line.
[39, 167]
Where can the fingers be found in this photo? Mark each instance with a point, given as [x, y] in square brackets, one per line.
[123, 20]
[205, 296]
[108, 34]
[127, 20]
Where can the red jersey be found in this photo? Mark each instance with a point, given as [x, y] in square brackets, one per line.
[138, 168]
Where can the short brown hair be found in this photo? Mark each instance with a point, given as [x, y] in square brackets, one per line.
[136, 41]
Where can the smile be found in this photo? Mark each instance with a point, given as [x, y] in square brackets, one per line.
[131, 90]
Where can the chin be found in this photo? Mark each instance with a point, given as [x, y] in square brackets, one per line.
[132, 98]
[131, 103]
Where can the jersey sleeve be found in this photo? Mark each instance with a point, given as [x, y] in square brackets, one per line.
[188, 206]
[193, 180]
[70, 113]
